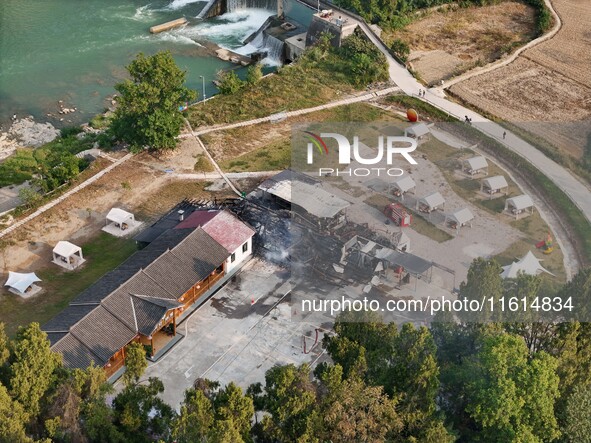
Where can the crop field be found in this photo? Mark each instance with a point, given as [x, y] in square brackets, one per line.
[547, 90]
[449, 40]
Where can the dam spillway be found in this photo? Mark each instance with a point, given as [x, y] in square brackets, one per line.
[214, 8]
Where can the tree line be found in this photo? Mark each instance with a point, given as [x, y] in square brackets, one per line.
[395, 14]
[523, 380]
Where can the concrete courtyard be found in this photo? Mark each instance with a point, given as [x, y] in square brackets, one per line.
[241, 332]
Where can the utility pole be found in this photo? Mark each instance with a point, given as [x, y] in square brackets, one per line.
[203, 84]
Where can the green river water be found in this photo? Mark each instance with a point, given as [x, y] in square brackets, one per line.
[76, 50]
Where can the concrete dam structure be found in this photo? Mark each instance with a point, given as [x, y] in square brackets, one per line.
[213, 8]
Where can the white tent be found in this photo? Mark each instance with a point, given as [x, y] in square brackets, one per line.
[403, 185]
[461, 218]
[495, 184]
[67, 255]
[120, 223]
[417, 131]
[519, 204]
[119, 216]
[529, 265]
[476, 165]
[21, 283]
[431, 202]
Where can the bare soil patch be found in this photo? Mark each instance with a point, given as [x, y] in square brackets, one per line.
[451, 40]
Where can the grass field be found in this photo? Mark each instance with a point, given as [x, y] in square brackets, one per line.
[103, 253]
[272, 157]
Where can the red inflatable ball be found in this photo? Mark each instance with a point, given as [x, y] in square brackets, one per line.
[412, 115]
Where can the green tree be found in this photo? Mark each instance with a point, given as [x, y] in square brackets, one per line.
[99, 424]
[196, 418]
[29, 196]
[229, 82]
[147, 113]
[484, 281]
[12, 419]
[354, 412]
[511, 397]
[578, 415]
[232, 406]
[290, 399]
[225, 431]
[579, 291]
[140, 413]
[254, 74]
[135, 363]
[32, 367]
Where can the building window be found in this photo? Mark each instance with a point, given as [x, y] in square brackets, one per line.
[233, 258]
[245, 247]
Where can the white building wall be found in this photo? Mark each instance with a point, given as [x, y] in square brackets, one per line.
[239, 256]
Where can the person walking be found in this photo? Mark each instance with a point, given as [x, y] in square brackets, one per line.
[504, 134]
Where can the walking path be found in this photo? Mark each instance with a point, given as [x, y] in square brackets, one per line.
[213, 162]
[61, 198]
[215, 175]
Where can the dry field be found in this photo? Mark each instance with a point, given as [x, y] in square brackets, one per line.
[448, 41]
[547, 90]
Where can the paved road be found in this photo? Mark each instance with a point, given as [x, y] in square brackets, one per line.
[575, 189]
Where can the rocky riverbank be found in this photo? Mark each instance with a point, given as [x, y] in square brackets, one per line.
[26, 132]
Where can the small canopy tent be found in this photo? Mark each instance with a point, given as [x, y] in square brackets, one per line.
[120, 217]
[120, 223]
[476, 165]
[67, 255]
[22, 284]
[519, 204]
[417, 131]
[493, 185]
[403, 185]
[529, 265]
[431, 202]
[460, 218]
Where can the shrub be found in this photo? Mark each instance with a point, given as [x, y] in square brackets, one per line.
[400, 49]
[70, 131]
[254, 74]
[229, 82]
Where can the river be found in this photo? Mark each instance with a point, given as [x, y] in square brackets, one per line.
[76, 50]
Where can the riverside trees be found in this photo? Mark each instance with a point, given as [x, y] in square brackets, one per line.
[147, 113]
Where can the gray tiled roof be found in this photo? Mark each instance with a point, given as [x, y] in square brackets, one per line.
[149, 311]
[75, 354]
[54, 337]
[67, 318]
[103, 333]
[112, 280]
